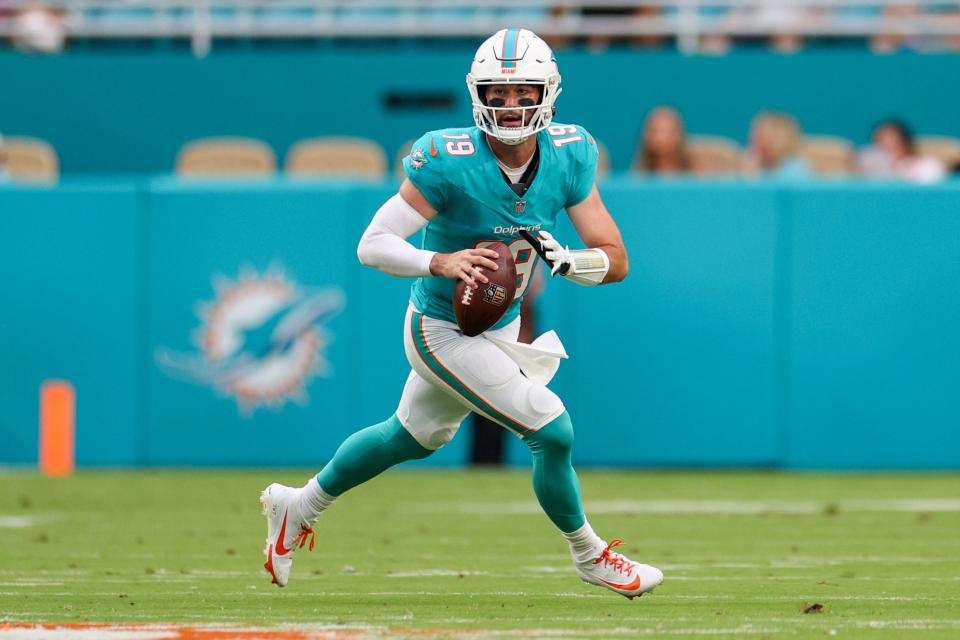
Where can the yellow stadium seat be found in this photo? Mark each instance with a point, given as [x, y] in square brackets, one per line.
[336, 157]
[713, 155]
[226, 157]
[32, 159]
[827, 155]
[944, 148]
[402, 153]
[603, 160]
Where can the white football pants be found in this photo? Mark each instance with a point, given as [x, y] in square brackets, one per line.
[454, 374]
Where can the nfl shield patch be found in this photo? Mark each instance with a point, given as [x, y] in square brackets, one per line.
[520, 206]
[495, 294]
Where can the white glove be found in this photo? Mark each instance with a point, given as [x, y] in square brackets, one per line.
[556, 254]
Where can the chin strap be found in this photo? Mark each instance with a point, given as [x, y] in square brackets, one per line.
[513, 141]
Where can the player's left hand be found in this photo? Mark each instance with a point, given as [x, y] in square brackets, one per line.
[557, 254]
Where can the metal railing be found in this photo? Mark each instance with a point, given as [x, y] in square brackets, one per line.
[688, 21]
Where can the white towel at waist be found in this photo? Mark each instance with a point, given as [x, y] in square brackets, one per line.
[540, 360]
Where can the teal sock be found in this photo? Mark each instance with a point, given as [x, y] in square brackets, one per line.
[368, 453]
[554, 480]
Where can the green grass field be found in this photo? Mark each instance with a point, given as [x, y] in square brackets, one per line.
[459, 551]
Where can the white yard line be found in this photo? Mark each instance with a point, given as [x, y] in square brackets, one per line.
[159, 632]
[906, 624]
[674, 628]
[720, 507]
[435, 572]
[26, 522]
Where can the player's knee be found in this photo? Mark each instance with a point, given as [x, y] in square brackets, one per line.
[536, 403]
[429, 440]
[407, 446]
[555, 436]
[541, 401]
[439, 438]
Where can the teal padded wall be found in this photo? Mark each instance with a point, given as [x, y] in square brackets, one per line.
[70, 264]
[808, 326]
[873, 377]
[690, 334]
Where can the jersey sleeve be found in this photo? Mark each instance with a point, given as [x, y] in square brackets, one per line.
[584, 170]
[423, 166]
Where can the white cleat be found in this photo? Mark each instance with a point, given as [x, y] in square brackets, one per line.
[618, 573]
[285, 528]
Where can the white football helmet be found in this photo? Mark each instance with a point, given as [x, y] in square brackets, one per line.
[514, 56]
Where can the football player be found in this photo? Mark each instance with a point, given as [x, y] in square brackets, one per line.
[507, 178]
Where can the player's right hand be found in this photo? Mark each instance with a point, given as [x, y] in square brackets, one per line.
[464, 265]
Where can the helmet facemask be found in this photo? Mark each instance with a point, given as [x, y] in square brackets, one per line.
[534, 117]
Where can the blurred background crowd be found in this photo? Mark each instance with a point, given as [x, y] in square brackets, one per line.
[776, 149]
[776, 145]
[707, 26]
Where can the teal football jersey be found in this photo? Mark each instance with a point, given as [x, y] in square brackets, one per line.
[457, 173]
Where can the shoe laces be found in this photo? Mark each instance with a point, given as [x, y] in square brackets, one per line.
[302, 537]
[614, 559]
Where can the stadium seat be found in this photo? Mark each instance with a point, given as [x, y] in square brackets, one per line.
[336, 156]
[603, 160]
[226, 157]
[827, 155]
[713, 155]
[402, 153]
[32, 159]
[944, 148]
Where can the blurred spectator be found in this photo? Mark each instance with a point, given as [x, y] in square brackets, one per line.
[711, 20]
[648, 41]
[4, 172]
[621, 14]
[39, 29]
[897, 14]
[663, 147]
[893, 155]
[948, 16]
[778, 17]
[558, 41]
[774, 141]
[715, 43]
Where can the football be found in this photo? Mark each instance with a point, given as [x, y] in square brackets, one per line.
[479, 309]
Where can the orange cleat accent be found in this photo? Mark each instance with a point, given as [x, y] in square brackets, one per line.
[268, 565]
[620, 574]
[277, 501]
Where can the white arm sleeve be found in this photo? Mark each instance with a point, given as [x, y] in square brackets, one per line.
[384, 245]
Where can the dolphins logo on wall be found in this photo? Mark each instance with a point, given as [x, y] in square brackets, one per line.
[260, 339]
